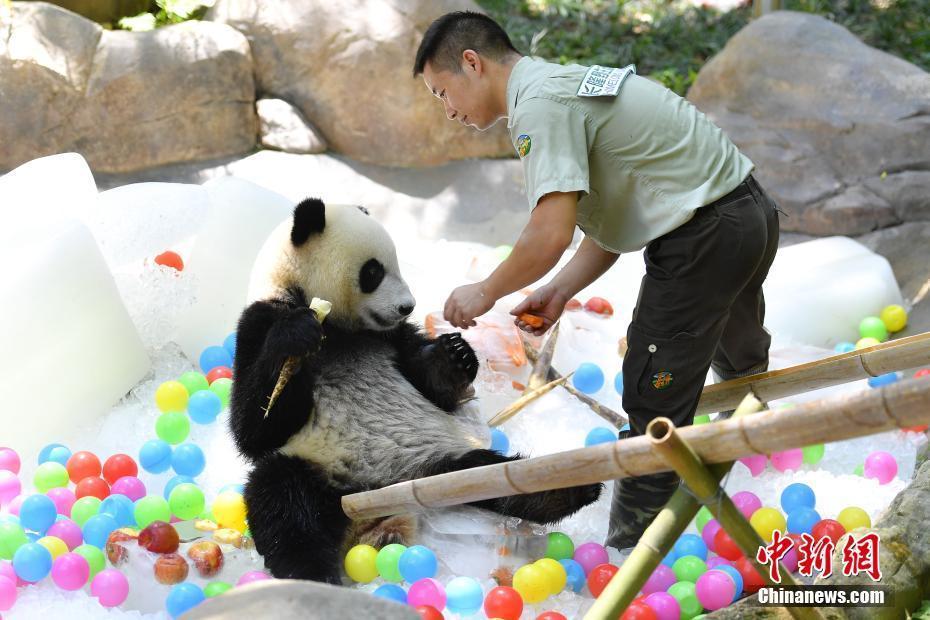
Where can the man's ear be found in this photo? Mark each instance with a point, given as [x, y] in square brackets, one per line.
[471, 60]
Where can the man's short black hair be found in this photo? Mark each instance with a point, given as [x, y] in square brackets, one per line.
[453, 33]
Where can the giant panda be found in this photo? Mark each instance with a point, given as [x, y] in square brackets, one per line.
[374, 402]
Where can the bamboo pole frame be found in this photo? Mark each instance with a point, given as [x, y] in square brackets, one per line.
[902, 404]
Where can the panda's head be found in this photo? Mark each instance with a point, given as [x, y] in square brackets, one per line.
[341, 254]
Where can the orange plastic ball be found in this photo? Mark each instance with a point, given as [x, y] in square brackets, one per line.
[82, 465]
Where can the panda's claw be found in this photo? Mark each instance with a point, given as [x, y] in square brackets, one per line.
[460, 354]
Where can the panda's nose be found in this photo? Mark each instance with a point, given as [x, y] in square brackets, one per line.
[405, 309]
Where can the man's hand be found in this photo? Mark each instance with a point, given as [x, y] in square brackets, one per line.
[547, 302]
[465, 303]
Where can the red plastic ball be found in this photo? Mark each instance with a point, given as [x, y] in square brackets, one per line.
[752, 580]
[599, 577]
[170, 259]
[94, 486]
[219, 372]
[920, 428]
[725, 547]
[428, 612]
[117, 466]
[82, 465]
[923, 372]
[639, 611]
[551, 615]
[829, 528]
[503, 602]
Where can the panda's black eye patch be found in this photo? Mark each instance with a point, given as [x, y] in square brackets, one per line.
[371, 275]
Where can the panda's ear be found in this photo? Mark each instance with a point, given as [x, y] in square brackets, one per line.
[309, 218]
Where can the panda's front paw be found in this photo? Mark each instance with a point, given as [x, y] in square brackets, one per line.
[297, 334]
[460, 354]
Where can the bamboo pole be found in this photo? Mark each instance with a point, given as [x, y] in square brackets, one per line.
[902, 404]
[516, 406]
[543, 360]
[883, 358]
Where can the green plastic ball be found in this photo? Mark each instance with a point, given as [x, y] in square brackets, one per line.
[689, 568]
[84, 509]
[12, 537]
[559, 546]
[215, 588]
[386, 562]
[94, 556]
[186, 501]
[152, 508]
[701, 419]
[50, 475]
[501, 252]
[813, 454]
[222, 387]
[859, 470]
[703, 518]
[873, 327]
[684, 593]
[194, 381]
[173, 427]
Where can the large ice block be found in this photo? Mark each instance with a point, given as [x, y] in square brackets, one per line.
[47, 187]
[240, 218]
[70, 350]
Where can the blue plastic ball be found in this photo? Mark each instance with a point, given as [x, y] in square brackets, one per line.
[589, 378]
[797, 495]
[802, 520]
[625, 427]
[32, 562]
[499, 442]
[98, 529]
[464, 596]
[600, 434]
[183, 596]
[669, 560]
[238, 488]
[169, 486]
[155, 456]
[392, 592]
[54, 452]
[10, 519]
[690, 544]
[883, 380]
[844, 347]
[735, 576]
[188, 460]
[214, 356]
[37, 513]
[575, 573]
[230, 345]
[204, 406]
[618, 383]
[416, 563]
[120, 508]
[33, 536]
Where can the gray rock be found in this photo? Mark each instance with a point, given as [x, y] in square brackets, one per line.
[907, 248]
[348, 68]
[838, 131]
[284, 128]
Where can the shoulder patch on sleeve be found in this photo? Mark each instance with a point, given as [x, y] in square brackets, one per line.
[604, 81]
[524, 144]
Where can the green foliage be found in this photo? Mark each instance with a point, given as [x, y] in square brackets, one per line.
[165, 12]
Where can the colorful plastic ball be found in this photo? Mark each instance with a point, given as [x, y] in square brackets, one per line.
[152, 508]
[532, 583]
[428, 612]
[873, 327]
[618, 383]
[229, 510]
[789, 460]
[813, 453]
[600, 434]
[117, 466]
[664, 605]
[193, 382]
[32, 562]
[684, 592]
[10, 487]
[830, 528]
[588, 378]
[219, 372]
[155, 456]
[574, 575]
[703, 517]
[555, 573]
[767, 520]
[204, 406]
[464, 595]
[9, 460]
[182, 597]
[387, 560]
[68, 532]
[923, 372]
[15, 503]
[797, 495]
[427, 591]
[858, 470]
[709, 532]
[360, 563]
[894, 318]
[670, 558]
[865, 343]
[717, 561]
[98, 529]
[599, 577]
[83, 464]
[94, 556]
[559, 546]
[92, 486]
[752, 580]
[690, 544]
[171, 260]
[186, 501]
[802, 520]
[725, 546]
[754, 463]
[222, 387]
[129, 486]
[188, 460]
[638, 610]
[747, 502]
[84, 508]
[715, 589]
[173, 427]
[503, 602]
[229, 343]
[854, 517]
[701, 419]
[689, 568]
[882, 380]
[391, 592]
[737, 578]
[880, 465]
[214, 356]
[8, 593]
[175, 481]
[171, 396]
[63, 498]
[253, 576]
[110, 587]
[70, 571]
[790, 559]
[215, 588]
[660, 580]
[589, 555]
[499, 442]
[37, 513]
[417, 563]
[844, 347]
[56, 546]
[12, 537]
[6, 570]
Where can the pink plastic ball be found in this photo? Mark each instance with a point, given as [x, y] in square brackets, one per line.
[755, 463]
[68, 531]
[665, 605]
[715, 589]
[790, 559]
[7, 593]
[70, 571]
[708, 533]
[64, 499]
[716, 561]
[252, 575]
[881, 466]
[7, 570]
[788, 460]
[130, 486]
[747, 502]
[110, 587]
[589, 555]
[427, 591]
[10, 487]
[16, 502]
[661, 579]
[9, 460]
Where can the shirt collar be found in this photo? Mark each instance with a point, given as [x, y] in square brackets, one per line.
[514, 85]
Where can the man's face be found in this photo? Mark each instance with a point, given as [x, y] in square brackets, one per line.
[464, 95]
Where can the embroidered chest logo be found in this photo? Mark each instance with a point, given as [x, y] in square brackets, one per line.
[662, 380]
[524, 143]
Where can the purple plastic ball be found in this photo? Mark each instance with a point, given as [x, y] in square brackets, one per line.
[660, 580]
[665, 605]
[589, 555]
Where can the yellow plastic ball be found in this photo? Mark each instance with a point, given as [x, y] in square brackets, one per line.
[171, 396]
[854, 517]
[865, 343]
[229, 510]
[555, 574]
[55, 545]
[894, 317]
[360, 563]
[532, 583]
[767, 520]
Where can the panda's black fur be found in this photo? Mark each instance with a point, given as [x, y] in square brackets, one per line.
[367, 407]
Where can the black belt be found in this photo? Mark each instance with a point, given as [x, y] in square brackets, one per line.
[747, 188]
